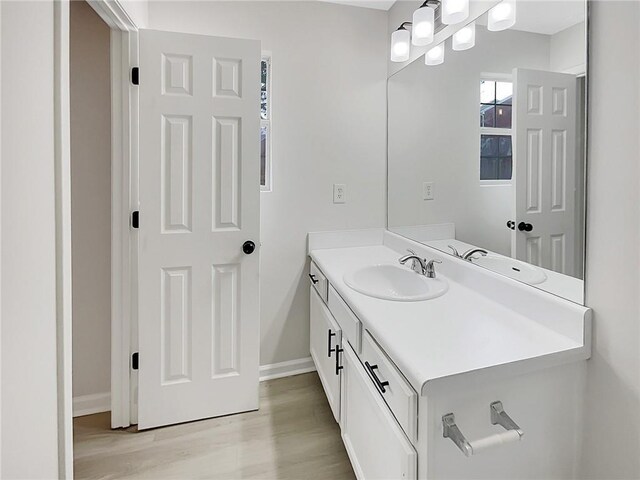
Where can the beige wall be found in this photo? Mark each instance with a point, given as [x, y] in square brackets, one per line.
[329, 126]
[612, 434]
[90, 199]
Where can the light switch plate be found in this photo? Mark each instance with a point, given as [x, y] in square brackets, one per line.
[427, 191]
[339, 193]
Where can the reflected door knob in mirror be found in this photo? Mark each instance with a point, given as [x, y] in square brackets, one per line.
[511, 225]
[525, 227]
[248, 247]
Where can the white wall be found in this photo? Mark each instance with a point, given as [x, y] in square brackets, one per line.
[28, 253]
[612, 430]
[90, 105]
[434, 136]
[329, 123]
[138, 11]
[568, 49]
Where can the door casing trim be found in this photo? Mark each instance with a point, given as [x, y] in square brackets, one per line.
[124, 161]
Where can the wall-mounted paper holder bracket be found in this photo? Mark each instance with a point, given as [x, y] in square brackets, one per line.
[498, 417]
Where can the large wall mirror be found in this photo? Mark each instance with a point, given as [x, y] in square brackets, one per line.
[487, 149]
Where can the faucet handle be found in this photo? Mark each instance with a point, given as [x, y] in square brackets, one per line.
[430, 269]
[454, 250]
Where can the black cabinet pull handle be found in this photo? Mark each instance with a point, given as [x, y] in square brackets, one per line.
[379, 383]
[511, 225]
[248, 247]
[339, 367]
[525, 227]
[329, 349]
[313, 278]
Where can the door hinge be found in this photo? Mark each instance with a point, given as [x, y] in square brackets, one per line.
[135, 75]
[135, 219]
[135, 361]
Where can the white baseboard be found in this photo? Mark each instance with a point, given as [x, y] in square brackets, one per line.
[286, 369]
[101, 402]
[90, 404]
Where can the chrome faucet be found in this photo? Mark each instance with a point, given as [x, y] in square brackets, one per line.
[420, 265]
[468, 255]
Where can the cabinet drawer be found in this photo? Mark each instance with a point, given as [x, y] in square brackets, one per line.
[351, 326]
[319, 281]
[391, 384]
[377, 446]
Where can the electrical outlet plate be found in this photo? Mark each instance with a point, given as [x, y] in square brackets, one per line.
[339, 193]
[427, 191]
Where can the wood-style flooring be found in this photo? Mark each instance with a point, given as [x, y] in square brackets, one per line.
[293, 436]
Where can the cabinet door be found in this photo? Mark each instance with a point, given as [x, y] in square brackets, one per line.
[325, 339]
[377, 446]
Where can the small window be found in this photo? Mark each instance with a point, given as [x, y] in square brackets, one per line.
[495, 157]
[496, 104]
[265, 124]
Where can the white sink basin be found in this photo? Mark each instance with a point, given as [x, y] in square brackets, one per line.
[512, 268]
[391, 282]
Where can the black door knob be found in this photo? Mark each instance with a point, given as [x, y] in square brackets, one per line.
[525, 227]
[511, 225]
[248, 247]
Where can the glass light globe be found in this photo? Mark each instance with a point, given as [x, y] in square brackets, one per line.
[464, 38]
[502, 16]
[423, 26]
[400, 45]
[435, 56]
[454, 11]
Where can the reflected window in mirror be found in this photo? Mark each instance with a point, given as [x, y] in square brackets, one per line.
[496, 99]
[496, 156]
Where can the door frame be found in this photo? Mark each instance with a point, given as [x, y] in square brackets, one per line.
[124, 164]
[124, 200]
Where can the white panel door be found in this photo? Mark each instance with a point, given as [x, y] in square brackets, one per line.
[199, 202]
[545, 130]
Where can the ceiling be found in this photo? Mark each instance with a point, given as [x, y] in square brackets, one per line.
[377, 4]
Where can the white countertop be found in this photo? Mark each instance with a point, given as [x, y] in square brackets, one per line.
[559, 284]
[459, 332]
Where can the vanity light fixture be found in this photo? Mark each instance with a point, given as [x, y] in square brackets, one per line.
[454, 11]
[502, 16]
[464, 38]
[435, 56]
[401, 44]
[424, 23]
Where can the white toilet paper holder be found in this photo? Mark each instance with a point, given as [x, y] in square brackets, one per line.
[498, 417]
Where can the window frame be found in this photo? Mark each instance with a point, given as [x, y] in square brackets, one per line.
[267, 124]
[493, 77]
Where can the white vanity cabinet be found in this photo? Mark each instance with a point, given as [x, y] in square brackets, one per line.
[325, 346]
[377, 446]
[375, 440]
[425, 416]
[391, 386]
